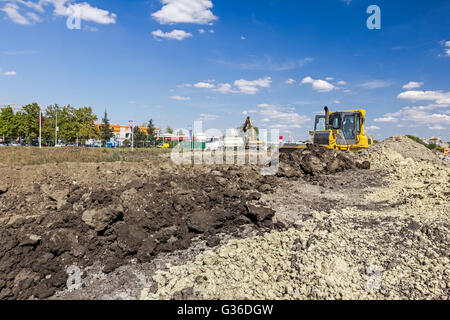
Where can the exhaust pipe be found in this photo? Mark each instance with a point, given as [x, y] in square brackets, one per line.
[327, 119]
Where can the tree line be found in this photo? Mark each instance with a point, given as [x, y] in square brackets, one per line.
[74, 125]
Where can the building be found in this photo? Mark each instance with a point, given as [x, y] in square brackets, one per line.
[122, 133]
[435, 140]
[447, 152]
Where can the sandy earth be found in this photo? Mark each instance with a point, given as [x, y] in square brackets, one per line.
[321, 229]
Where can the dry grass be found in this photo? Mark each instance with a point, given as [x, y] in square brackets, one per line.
[12, 156]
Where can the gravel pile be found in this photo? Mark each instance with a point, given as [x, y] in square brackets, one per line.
[407, 147]
[412, 183]
[338, 255]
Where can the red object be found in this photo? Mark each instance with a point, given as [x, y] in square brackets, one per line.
[174, 138]
[281, 137]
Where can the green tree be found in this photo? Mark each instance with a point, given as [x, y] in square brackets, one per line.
[49, 123]
[85, 120]
[8, 124]
[169, 130]
[139, 137]
[126, 143]
[152, 135]
[28, 121]
[105, 129]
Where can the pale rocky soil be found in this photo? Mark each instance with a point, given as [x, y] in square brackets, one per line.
[386, 241]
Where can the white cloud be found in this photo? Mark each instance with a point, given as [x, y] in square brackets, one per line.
[318, 85]
[240, 86]
[12, 11]
[10, 73]
[180, 98]
[329, 78]
[33, 17]
[225, 88]
[185, 11]
[280, 117]
[375, 84]
[252, 86]
[436, 127]
[201, 31]
[268, 63]
[372, 128]
[290, 81]
[243, 38]
[208, 117]
[386, 119]
[412, 85]
[412, 114]
[341, 83]
[446, 45]
[438, 97]
[173, 35]
[84, 11]
[211, 31]
[204, 85]
[429, 115]
[66, 8]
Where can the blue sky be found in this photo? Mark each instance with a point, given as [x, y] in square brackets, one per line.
[280, 62]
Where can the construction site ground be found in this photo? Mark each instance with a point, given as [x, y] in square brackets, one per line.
[372, 224]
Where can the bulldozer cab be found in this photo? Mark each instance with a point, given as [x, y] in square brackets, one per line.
[341, 130]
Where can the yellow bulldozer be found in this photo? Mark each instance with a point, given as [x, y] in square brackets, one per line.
[341, 130]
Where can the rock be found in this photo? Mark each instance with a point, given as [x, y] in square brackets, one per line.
[16, 221]
[100, 219]
[363, 165]
[213, 241]
[254, 196]
[30, 240]
[216, 173]
[135, 184]
[201, 221]
[259, 214]
[222, 181]
[312, 164]
[265, 188]
[334, 165]
[60, 196]
[3, 188]
[184, 294]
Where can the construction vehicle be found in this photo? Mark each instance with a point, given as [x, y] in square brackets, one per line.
[252, 142]
[342, 130]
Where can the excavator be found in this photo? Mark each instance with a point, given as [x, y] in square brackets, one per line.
[252, 142]
[342, 130]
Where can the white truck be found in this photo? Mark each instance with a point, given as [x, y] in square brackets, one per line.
[213, 143]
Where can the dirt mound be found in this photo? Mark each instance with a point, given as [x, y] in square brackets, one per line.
[407, 147]
[316, 160]
[134, 220]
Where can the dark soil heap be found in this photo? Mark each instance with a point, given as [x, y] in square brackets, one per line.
[137, 220]
[316, 160]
